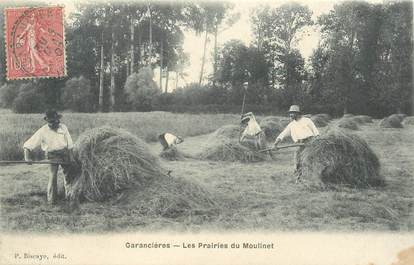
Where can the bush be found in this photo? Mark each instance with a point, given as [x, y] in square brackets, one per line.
[77, 95]
[141, 90]
[29, 99]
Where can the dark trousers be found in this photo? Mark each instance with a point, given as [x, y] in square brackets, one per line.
[298, 153]
[52, 187]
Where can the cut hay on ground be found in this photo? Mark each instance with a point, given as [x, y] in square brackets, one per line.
[226, 149]
[392, 121]
[172, 154]
[339, 157]
[409, 120]
[111, 160]
[231, 131]
[271, 129]
[361, 119]
[319, 120]
[347, 123]
[171, 197]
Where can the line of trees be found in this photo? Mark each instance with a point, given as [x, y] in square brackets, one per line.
[362, 64]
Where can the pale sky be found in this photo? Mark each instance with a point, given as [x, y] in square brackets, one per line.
[241, 30]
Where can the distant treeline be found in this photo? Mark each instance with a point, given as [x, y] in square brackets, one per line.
[362, 64]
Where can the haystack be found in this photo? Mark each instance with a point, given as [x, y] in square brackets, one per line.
[118, 166]
[400, 116]
[284, 122]
[361, 119]
[409, 120]
[347, 123]
[172, 154]
[111, 160]
[230, 131]
[227, 149]
[392, 121]
[339, 157]
[319, 120]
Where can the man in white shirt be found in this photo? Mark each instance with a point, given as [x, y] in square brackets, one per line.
[301, 129]
[55, 140]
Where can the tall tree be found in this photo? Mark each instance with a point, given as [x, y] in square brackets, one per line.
[277, 31]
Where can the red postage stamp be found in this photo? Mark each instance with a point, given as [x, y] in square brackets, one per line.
[35, 42]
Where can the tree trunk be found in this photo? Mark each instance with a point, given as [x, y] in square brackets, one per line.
[140, 50]
[101, 76]
[112, 88]
[204, 58]
[215, 54]
[132, 46]
[150, 37]
[166, 81]
[176, 80]
[161, 65]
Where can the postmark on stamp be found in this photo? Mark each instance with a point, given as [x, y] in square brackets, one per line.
[35, 42]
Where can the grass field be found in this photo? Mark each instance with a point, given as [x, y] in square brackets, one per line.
[19, 127]
[250, 197]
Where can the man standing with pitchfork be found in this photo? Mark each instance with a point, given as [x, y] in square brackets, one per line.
[56, 142]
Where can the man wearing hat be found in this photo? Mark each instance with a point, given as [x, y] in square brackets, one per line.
[55, 141]
[301, 129]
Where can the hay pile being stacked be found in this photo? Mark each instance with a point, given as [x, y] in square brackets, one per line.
[114, 161]
[339, 157]
[347, 123]
[393, 121]
[270, 118]
[172, 154]
[409, 120]
[224, 145]
[361, 119]
[320, 120]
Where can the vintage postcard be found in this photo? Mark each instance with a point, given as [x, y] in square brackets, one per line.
[206, 132]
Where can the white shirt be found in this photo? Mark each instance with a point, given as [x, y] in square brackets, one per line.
[171, 139]
[50, 140]
[252, 129]
[299, 130]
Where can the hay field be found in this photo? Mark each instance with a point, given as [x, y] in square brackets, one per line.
[249, 197]
[16, 128]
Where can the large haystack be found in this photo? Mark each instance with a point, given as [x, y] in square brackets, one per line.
[111, 160]
[361, 119]
[339, 157]
[347, 123]
[227, 149]
[401, 116]
[320, 120]
[230, 131]
[409, 120]
[116, 165]
[392, 121]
